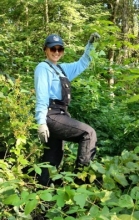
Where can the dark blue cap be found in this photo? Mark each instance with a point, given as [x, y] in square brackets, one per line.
[53, 40]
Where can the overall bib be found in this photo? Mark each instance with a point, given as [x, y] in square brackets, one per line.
[64, 128]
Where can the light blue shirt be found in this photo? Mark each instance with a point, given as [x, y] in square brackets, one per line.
[47, 82]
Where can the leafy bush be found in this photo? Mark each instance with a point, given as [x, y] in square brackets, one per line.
[109, 187]
[111, 193]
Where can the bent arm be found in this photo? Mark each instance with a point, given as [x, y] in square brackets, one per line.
[72, 70]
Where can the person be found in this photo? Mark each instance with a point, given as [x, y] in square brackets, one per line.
[53, 95]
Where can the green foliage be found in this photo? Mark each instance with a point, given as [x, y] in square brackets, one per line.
[112, 192]
[110, 185]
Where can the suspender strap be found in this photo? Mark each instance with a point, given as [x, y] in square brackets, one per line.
[61, 70]
[55, 70]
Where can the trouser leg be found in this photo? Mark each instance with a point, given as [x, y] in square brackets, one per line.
[53, 153]
[63, 127]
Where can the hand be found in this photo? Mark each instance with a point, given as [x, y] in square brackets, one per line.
[94, 37]
[43, 133]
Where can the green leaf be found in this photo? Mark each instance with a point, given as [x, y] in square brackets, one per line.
[134, 178]
[37, 169]
[69, 218]
[84, 191]
[69, 179]
[1, 180]
[105, 211]
[21, 140]
[46, 196]
[136, 150]
[1, 95]
[69, 192]
[102, 53]
[134, 70]
[82, 175]
[92, 178]
[107, 196]
[73, 209]
[60, 200]
[57, 176]
[85, 218]
[58, 218]
[12, 200]
[130, 165]
[135, 193]
[22, 160]
[126, 217]
[32, 196]
[136, 214]
[24, 91]
[80, 199]
[3, 164]
[126, 201]
[11, 218]
[8, 190]
[125, 155]
[131, 77]
[98, 167]
[134, 98]
[108, 182]
[24, 195]
[11, 141]
[94, 211]
[120, 178]
[30, 206]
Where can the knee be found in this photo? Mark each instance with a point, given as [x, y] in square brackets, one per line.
[91, 134]
[94, 135]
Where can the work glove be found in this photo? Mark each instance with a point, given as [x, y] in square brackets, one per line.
[94, 37]
[43, 133]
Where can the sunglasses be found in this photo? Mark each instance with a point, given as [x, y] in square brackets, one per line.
[54, 49]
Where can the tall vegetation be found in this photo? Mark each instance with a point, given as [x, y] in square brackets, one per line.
[105, 96]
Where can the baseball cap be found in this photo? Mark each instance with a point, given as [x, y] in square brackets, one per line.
[53, 40]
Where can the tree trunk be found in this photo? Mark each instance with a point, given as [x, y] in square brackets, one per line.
[125, 26]
[113, 7]
[46, 16]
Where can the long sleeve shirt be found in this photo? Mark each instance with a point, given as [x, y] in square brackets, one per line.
[47, 82]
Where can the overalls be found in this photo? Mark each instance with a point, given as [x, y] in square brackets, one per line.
[64, 128]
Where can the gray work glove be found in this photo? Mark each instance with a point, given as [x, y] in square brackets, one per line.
[94, 37]
[43, 133]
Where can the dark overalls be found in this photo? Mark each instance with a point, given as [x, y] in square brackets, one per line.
[64, 128]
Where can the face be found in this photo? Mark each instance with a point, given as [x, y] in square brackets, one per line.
[54, 53]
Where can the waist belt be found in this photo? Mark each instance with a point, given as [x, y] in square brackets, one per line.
[55, 105]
